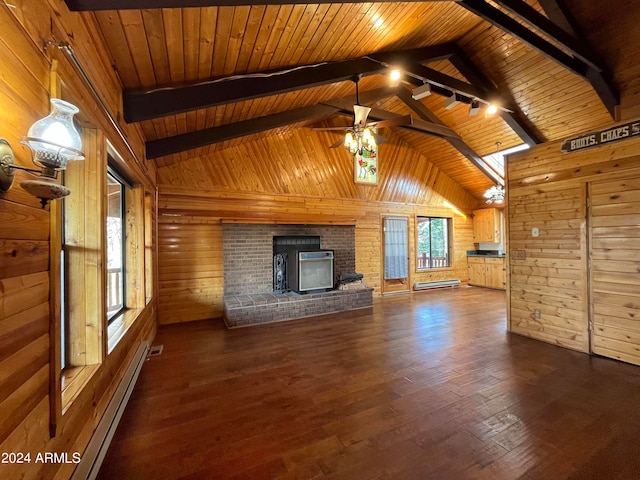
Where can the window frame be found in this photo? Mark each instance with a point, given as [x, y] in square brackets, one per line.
[125, 185]
[449, 238]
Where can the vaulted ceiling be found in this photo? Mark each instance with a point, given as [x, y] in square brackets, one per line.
[203, 75]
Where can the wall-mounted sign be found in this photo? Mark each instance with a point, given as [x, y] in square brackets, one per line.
[602, 137]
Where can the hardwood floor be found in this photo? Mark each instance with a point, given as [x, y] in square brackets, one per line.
[429, 386]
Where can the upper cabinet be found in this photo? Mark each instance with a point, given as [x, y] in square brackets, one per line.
[486, 226]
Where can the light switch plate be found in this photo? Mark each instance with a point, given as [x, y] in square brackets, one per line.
[535, 232]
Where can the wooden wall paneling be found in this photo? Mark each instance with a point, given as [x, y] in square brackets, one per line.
[551, 285]
[547, 189]
[613, 227]
[135, 255]
[190, 241]
[300, 163]
[28, 329]
[25, 340]
[85, 250]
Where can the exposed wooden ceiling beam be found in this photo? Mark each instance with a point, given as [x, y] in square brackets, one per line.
[538, 21]
[509, 25]
[514, 118]
[456, 142]
[559, 14]
[201, 138]
[139, 106]
[209, 136]
[434, 77]
[595, 76]
[95, 5]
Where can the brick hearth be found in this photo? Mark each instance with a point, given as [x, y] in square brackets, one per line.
[243, 310]
[248, 274]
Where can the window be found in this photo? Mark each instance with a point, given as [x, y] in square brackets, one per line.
[496, 160]
[115, 244]
[433, 242]
[395, 248]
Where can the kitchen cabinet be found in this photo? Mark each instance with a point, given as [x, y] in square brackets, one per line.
[486, 226]
[476, 271]
[487, 272]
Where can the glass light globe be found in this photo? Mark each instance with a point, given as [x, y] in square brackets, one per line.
[54, 139]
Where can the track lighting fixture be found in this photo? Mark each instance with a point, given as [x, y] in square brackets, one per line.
[452, 101]
[474, 108]
[421, 91]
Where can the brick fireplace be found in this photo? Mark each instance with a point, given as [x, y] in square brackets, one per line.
[248, 274]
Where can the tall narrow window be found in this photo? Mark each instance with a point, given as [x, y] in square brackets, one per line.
[115, 244]
[433, 242]
[395, 248]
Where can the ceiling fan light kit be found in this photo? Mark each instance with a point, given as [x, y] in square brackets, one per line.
[362, 137]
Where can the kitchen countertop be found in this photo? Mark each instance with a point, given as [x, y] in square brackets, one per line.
[484, 253]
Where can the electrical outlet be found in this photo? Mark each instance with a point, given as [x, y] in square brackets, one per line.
[519, 254]
[536, 314]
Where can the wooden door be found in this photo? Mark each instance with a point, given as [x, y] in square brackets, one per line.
[395, 253]
[614, 254]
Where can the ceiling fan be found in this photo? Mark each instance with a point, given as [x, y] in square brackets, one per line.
[361, 136]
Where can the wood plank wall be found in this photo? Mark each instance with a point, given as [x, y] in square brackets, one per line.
[265, 181]
[548, 190]
[26, 385]
[191, 262]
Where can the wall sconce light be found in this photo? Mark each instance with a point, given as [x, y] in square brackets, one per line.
[54, 141]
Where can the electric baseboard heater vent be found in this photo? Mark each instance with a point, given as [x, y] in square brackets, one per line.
[454, 282]
[99, 444]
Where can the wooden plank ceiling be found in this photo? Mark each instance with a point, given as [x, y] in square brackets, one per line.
[201, 76]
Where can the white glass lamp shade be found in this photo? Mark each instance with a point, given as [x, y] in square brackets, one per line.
[495, 194]
[367, 138]
[348, 140]
[54, 139]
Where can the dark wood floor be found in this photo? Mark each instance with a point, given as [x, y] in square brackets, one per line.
[423, 387]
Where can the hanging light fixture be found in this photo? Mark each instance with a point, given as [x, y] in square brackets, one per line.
[54, 141]
[360, 140]
[495, 194]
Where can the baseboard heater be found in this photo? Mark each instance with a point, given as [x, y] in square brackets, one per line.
[454, 282]
[99, 444]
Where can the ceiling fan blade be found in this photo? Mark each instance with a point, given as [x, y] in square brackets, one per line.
[379, 139]
[339, 143]
[360, 113]
[393, 122]
[320, 129]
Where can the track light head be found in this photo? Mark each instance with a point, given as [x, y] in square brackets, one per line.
[452, 101]
[421, 91]
[474, 108]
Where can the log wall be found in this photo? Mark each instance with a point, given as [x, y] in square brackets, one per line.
[30, 417]
[550, 273]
